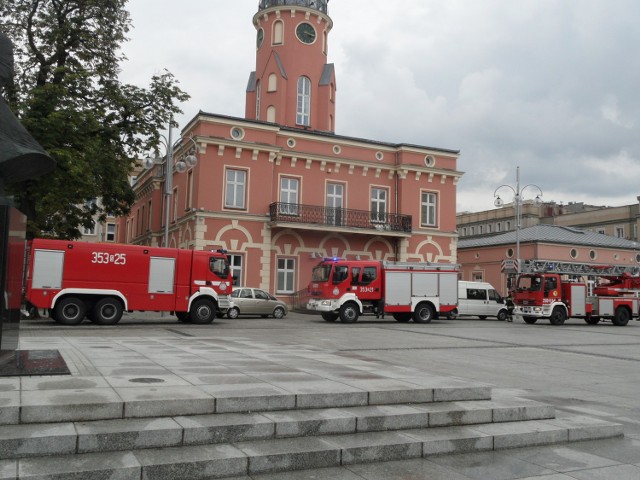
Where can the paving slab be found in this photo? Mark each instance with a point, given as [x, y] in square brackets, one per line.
[225, 428]
[94, 466]
[376, 447]
[446, 440]
[42, 406]
[30, 440]
[303, 423]
[152, 400]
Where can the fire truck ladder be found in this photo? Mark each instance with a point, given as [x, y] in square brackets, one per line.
[420, 266]
[582, 269]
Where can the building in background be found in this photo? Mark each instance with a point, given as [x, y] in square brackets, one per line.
[279, 189]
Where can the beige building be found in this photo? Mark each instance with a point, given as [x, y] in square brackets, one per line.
[619, 222]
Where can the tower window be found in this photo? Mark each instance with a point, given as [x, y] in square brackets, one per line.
[273, 83]
[271, 114]
[278, 32]
[304, 101]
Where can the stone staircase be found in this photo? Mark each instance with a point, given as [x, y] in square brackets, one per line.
[260, 433]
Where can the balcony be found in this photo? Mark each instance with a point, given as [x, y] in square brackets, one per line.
[313, 217]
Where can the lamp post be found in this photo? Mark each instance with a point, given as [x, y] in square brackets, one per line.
[186, 161]
[517, 201]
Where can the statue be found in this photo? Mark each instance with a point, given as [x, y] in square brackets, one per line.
[21, 157]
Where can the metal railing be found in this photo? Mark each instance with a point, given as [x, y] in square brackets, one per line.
[339, 217]
[321, 5]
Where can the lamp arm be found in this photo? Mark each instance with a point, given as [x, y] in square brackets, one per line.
[495, 193]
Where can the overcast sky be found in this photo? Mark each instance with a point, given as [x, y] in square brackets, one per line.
[550, 85]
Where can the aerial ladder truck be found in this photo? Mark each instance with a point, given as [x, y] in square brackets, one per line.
[558, 290]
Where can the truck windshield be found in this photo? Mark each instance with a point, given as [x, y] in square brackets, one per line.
[529, 283]
[321, 273]
[219, 266]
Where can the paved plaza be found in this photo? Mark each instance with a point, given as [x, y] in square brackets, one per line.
[579, 369]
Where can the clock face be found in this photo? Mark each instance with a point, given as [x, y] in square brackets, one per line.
[306, 33]
[260, 38]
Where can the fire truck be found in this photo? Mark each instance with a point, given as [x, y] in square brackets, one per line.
[557, 291]
[100, 281]
[346, 289]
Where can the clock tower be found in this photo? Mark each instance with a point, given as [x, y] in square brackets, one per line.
[293, 85]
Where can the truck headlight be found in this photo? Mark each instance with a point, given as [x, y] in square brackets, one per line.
[326, 302]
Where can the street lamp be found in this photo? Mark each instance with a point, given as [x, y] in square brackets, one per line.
[517, 200]
[186, 161]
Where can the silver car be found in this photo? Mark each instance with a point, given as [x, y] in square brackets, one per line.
[254, 301]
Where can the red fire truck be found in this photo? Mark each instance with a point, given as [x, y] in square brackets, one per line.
[346, 289]
[100, 281]
[556, 290]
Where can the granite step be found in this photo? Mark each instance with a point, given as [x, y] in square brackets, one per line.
[83, 405]
[285, 454]
[25, 440]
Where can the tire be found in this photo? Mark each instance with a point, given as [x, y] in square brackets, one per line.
[502, 315]
[349, 313]
[530, 320]
[482, 317]
[622, 316]
[453, 314]
[52, 315]
[279, 313]
[592, 320]
[107, 311]
[402, 317]
[423, 314]
[329, 317]
[233, 313]
[202, 312]
[70, 311]
[558, 316]
[183, 317]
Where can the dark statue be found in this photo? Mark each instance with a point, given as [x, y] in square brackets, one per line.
[21, 157]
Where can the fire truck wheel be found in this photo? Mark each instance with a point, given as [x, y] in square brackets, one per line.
[621, 317]
[530, 320]
[592, 320]
[107, 311]
[183, 317]
[423, 313]
[70, 311]
[558, 316]
[402, 317]
[202, 311]
[329, 317]
[349, 313]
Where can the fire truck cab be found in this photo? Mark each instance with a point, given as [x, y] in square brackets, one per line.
[346, 289]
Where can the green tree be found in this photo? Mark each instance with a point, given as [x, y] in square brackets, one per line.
[67, 94]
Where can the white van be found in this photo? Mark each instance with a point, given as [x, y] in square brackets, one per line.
[481, 300]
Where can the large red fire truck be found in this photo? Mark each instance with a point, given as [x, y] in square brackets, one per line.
[556, 291]
[100, 281]
[346, 289]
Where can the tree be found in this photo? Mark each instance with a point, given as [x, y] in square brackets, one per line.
[67, 94]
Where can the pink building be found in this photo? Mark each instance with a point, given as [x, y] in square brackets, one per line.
[279, 189]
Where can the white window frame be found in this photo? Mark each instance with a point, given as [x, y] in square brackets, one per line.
[429, 209]
[286, 275]
[303, 111]
[258, 98]
[289, 194]
[236, 187]
[236, 270]
[379, 204]
[110, 235]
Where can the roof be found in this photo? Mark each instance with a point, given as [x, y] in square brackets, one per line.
[552, 234]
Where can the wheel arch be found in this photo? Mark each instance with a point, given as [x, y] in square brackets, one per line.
[89, 294]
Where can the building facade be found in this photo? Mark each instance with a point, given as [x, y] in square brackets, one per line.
[279, 189]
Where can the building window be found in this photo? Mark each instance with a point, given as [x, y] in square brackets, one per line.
[593, 255]
[289, 196]
[271, 114]
[273, 83]
[620, 232]
[89, 230]
[480, 230]
[235, 263]
[189, 196]
[378, 205]
[428, 213]
[573, 253]
[286, 275]
[111, 232]
[258, 99]
[498, 227]
[464, 231]
[477, 277]
[601, 231]
[510, 253]
[236, 188]
[278, 29]
[304, 102]
[489, 228]
[473, 230]
[508, 226]
[335, 203]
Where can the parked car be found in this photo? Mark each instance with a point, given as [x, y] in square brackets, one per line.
[254, 301]
[480, 299]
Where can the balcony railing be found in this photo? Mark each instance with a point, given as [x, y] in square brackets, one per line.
[316, 4]
[339, 217]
